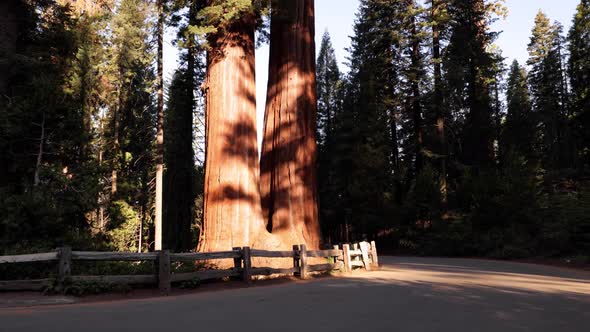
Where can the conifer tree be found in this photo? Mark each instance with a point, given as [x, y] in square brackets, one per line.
[546, 82]
[438, 20]
[183, 175]
[469, 71]
[180, 178]
[366, 148]
[132, 118]
[43, 144]
[87, 85]
[328, 81]
[519, 128]
[579, 73]
[329, 91]
[413, 76]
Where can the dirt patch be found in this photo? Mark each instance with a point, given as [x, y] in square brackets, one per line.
[28, 299]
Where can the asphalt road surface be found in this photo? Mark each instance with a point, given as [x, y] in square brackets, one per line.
[407, 294]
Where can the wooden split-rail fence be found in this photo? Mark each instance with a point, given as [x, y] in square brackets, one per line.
[359, 255]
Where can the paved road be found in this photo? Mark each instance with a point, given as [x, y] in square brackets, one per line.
[408, 294]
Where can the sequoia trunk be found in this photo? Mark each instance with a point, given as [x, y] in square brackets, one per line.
[232, 214]
[288, 161]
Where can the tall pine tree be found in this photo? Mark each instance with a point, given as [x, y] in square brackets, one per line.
[519, 128]
[132, 120]
[47, 176]
[328, 81]
[546, 82]
[469, 70]
[329, 87]
[367, 127]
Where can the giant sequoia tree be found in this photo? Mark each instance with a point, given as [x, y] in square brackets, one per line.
[232, 213]
[288, 162]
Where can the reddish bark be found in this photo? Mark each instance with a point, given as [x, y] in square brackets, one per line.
[232, 200]
[233, 216]
[288, 162]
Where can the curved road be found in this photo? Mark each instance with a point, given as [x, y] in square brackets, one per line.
[407, 294]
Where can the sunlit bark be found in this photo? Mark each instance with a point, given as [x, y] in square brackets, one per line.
[160, 130]
[288, 161]
[232, 215]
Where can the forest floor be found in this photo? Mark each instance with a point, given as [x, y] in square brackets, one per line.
[406, 294]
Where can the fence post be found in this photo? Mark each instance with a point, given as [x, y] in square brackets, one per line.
[64, 268]
[355, 247]
[335, 247]
[296, 265]
[346, 257]
[238, 260]
[365, 255]
[247, 272]
[302, 261]
[164, 281]
[374, 255]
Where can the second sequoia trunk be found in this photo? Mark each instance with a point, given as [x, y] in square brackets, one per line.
[288, 161]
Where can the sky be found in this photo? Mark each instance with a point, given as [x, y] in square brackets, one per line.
[338, 16]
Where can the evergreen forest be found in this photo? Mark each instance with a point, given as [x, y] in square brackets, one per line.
[429, 142]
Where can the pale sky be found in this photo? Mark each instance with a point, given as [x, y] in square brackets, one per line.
[337, 16]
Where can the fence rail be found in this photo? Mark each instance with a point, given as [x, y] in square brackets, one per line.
[362, 255]
[50, 256]
[113, 256]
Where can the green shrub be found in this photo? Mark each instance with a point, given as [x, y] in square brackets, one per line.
[124, 227]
